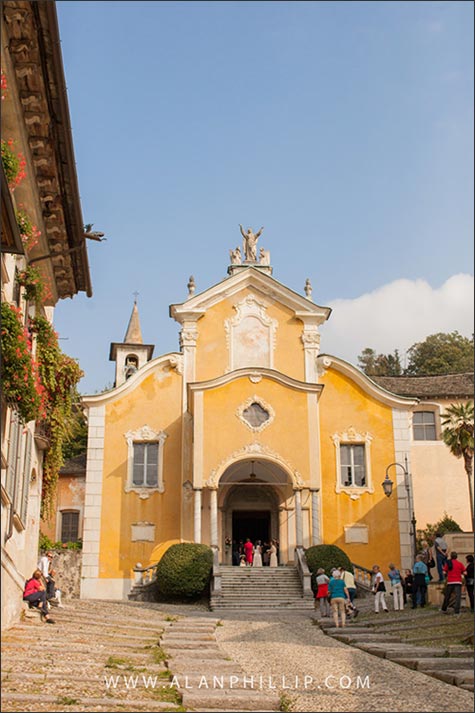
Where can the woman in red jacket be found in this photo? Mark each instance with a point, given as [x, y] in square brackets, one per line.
[35, 592]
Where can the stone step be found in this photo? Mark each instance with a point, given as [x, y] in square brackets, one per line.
[170, 646]
[227, 700]
[350, 638]
[45, 702]
[203, 653]
[184, 666]
[445, 663]
[25, 631]
[184, 636]
[455, 677]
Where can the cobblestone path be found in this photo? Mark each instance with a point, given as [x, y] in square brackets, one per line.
[124, 656]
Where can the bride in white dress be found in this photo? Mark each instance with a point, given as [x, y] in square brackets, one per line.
[257, 559]
[273, 555]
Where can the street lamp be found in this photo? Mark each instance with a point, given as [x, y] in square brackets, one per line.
[387, 485]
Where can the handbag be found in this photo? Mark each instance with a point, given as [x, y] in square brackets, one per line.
[427, 578]
[431, 563]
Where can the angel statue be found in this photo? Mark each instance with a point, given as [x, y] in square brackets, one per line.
[235, 256]
[249, 243]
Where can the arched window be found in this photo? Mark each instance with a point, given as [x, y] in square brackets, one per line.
[131, 365]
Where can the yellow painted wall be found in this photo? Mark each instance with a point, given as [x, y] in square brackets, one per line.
[212, 358]
[69, 496]
[155, 402]
[344, 404]
[224, 432]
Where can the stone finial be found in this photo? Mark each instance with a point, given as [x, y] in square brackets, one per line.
[308, 289]
[191, 286]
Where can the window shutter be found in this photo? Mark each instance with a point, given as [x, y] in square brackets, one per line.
[12, 454]
[26, 478]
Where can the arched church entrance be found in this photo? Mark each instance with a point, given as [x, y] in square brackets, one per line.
[252, 498]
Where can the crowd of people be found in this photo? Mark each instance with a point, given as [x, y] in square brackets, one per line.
[258, 554]
[409, 587]
[40, 590]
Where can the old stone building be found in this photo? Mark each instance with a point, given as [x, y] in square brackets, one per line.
[42, 228]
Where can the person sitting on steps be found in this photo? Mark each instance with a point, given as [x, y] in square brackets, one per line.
[35, 594]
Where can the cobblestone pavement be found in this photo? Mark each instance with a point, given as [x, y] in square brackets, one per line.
[263, 661]
[313, 672]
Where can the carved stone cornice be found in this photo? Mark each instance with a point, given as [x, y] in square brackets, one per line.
[35, 56]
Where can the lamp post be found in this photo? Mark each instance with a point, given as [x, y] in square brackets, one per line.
[387, 486]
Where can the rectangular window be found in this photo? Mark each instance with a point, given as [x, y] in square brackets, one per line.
[353, 466]
[423, 426]
[145, 472]
[69, 525]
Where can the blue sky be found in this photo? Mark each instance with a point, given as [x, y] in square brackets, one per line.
[345, 128]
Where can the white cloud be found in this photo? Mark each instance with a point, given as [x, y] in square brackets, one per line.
[397, 315]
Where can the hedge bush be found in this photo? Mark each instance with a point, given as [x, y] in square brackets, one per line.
[326, 556]
[184, 571]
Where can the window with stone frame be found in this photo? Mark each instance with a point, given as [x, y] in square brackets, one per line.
[145, 465]
[352, 465]
[69, 525]
[424, 426]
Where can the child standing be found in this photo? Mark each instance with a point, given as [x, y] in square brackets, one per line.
[379, 589]
[322, 592]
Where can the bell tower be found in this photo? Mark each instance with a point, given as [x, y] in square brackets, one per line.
[131, 354]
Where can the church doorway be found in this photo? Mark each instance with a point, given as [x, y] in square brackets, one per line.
[254, 524]
[252, 495]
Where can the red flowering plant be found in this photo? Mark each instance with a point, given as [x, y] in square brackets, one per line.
[32, 281]
[29, 233]
[59, 375]
[44, 389]
[21, 384]
[4, 84]
[13, 164]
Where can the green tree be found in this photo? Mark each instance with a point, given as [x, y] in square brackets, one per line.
[441, 354]
[379, 364]
[457, 434]
[76, 442]
[444, 525]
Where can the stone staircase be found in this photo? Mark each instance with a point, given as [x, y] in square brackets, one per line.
[260, 588]
[122, 656]
[425, 641]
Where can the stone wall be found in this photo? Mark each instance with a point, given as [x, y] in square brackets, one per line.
[67, 565]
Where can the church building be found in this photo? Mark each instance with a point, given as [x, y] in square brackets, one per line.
[247, 431]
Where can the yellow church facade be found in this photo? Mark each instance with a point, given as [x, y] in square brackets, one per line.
[247, 431]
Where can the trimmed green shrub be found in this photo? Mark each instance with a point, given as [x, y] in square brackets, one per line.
[327, 556]
[184, 571]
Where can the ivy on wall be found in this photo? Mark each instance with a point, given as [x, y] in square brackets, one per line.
[42, 389]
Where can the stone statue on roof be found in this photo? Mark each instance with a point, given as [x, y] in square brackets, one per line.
[249, 243]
